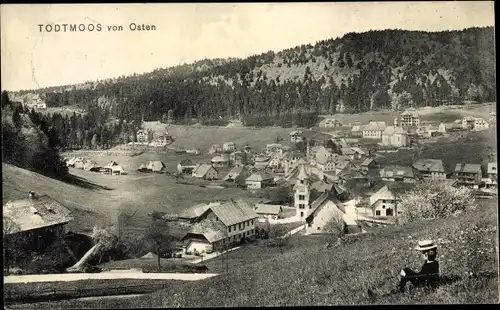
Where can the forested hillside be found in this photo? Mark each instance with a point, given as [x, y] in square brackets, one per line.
[358, 72]
[29, 142]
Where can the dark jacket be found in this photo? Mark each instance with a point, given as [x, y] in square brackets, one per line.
[428, 275]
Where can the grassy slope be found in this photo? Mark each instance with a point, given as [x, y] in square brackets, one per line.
[85, 203]
[136, 191]
[318, 276]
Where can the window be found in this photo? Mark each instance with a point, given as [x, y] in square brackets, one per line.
[301, 214]
[389, 212]
[252, 222]
[301, 181]
[302, 197]
[229, 228]
[377, 212]
[383, 206]
[216, 218]
[318, 228]
[309, 225]
[301, 206]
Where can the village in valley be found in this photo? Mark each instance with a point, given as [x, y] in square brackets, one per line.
[318, 176]
[306, 176]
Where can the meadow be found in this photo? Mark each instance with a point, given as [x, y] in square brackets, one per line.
[341, 275]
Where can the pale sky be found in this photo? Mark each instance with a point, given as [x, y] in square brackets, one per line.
[189, 32]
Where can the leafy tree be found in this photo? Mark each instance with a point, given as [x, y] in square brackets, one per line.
[6, 100]
[278, 237]
[159, 239]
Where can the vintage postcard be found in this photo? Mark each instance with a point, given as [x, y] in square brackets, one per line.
[249, 155]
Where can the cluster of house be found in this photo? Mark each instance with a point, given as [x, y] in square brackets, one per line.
[155, 166]
[150, 138]
[408, 124]
[82, 163]
[220, 224]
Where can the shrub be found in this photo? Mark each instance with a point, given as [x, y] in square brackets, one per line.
[434, 199]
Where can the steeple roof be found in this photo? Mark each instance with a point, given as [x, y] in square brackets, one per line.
[303, 173]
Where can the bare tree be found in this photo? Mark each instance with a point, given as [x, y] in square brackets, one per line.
[158, 238]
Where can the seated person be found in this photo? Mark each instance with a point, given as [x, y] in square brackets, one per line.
[429, 274]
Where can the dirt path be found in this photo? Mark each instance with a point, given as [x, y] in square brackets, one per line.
[65, 277]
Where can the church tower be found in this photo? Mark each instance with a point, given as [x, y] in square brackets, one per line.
[302, 193]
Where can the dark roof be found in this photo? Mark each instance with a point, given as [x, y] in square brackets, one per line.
[321, 200]
[186, 162]
[396, 171]
[33, 213]
[211, 230]
[435, 165]
[233, 211]
[470, 168]
[268, 209]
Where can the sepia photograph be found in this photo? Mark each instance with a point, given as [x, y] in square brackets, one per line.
[162, 155]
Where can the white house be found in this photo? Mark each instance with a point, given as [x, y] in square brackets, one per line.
[142, 136]
[205, 171]
[220, 161]
[357, 131]
[228, 147]
[330, 123]
[491, 175]
[215, 148]
[272, 148]
[408, 118]
[185, 166]
[383, 202]
[259, 180]
[480, 124]
[430, 169]
[394, 136]
[237, 175]
[393, 173]
[323, 209]
[261, 162]
[322, 154]
[222, 225]
[267, 211]
[296, 136]
[374, 130]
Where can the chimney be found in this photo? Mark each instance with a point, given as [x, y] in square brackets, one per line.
[32, 194]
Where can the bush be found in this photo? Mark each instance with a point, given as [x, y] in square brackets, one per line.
[435, 199]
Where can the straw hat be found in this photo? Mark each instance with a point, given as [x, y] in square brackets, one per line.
[425, 245]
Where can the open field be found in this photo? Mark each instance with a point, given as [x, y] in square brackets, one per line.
[203, 136]
[341, 275]
[139, 192]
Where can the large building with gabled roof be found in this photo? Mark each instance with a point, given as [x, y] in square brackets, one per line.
[222, 225]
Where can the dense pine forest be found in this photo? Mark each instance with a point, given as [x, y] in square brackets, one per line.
[358, 72]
